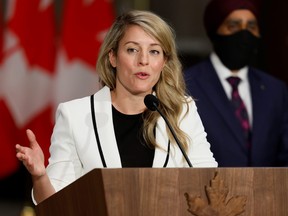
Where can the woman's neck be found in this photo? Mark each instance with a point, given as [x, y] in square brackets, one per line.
[128, 104]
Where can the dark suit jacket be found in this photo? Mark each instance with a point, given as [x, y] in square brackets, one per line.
[270, 118]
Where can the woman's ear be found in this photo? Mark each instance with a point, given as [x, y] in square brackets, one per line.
[112, 58]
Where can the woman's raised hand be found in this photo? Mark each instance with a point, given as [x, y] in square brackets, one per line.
[32, 157]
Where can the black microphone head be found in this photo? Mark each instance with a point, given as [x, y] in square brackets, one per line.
[151, 102]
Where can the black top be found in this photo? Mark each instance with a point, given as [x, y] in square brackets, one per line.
[132, 149]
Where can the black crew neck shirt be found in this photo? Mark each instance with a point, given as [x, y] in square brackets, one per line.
[132, 148]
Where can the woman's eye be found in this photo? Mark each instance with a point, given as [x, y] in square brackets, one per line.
[155, 52]
[131, 50]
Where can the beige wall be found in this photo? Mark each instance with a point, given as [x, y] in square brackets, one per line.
[185, 16]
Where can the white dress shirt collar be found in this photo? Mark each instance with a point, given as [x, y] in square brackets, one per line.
[244, 87]
[223, 72]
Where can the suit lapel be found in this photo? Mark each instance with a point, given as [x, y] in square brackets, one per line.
[258, 89]
[216, 94]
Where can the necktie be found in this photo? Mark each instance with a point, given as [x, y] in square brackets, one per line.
[240, 109]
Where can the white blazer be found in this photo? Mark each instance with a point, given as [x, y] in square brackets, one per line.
[74, 150]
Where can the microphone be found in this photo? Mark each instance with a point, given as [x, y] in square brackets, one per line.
[152, 104]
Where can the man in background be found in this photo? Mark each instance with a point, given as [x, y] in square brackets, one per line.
[244, 110]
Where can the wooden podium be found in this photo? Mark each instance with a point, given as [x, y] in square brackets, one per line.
[173, 191]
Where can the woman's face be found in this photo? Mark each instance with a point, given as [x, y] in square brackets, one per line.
[138, 62]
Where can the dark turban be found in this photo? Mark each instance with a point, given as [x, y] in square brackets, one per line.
[217, 10]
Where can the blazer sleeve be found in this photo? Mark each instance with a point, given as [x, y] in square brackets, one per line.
[64, 164]
[199, 148]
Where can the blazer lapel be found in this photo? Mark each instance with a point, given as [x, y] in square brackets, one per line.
[104, 121]
[162, 141]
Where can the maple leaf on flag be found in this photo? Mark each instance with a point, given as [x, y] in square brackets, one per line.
[27, 72]
[84, 25]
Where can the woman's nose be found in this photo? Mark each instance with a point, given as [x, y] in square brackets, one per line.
[143, 58]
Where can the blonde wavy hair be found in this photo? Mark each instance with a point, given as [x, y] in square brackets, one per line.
[170, 89]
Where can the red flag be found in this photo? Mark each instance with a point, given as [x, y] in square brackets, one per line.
[84, 25]
[26, 77]
[8, 163]
[1, 31]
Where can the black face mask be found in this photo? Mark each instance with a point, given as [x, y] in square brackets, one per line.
[237, 50]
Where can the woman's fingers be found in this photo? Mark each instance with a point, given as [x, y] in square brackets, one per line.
[21, 152]
[20, 156]
[32, 157]
[32, 138]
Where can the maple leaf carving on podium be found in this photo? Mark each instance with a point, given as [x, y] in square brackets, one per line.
[218, 204]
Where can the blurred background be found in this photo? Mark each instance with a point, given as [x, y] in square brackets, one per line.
[48, 51]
